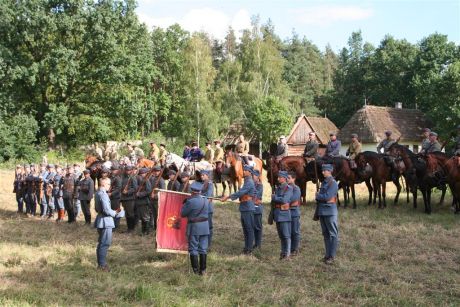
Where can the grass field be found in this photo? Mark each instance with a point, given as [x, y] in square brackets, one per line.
[395, 256]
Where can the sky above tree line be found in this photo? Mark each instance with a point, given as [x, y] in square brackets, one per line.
[322, 22]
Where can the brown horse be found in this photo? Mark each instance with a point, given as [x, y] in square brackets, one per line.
[379, 174]
[452, 167]
[234, 162]
[295, 164]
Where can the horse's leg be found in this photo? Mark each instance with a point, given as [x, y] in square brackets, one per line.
[424, 195]
[379, 191]
[369, 189]
[384, 193]
[398, 191]
[353, 195]
[375, 188]
[345, 199]
[215, 189]
[443, 194]
[414, 197]
[303, 190]
[428, 198]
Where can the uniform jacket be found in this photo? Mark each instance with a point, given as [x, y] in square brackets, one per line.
[248, 188]
[333, 148]
[242, 147]
[385, 144]
[282, 150]
[144, 188]
[186, 154]
[434, 147]
[185, 187]
[311, 149]
[283, 195]
[219, 154]
[160, 185]
[259, 191]
[208, 191]
[326, 194]
[105, 214]
[162, 154]
[86, 189]
[129, 182]
[57, 186]
[115, 187]
[425, 144]
[19, 184]
[354, 149]
[196, 154]
[209, 155]
[196, 207]
[173, 185]
[68, 186]
[296, 195]
[154, 152]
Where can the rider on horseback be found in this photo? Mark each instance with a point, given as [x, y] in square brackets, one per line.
[353, 150]
[242, 148]
[282, 148]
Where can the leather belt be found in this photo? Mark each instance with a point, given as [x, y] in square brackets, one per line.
[257, 201]
[198, 219]
[282, 207]
[245, 198]
[295, 203]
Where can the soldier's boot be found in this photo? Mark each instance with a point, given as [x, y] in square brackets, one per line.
[60, 215]
[194, 263]
[51, 214]
[203, 264]
[144, 228]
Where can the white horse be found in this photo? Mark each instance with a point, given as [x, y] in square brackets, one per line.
[182, 164]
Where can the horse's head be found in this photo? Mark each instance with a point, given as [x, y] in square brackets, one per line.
[89, 160]
[230, 158]
[396, 150]
[432, 165]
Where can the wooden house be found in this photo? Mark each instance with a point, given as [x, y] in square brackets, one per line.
[371, 122]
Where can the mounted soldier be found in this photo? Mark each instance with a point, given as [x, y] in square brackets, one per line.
[426, 140]
[385, 143]
[242, 149]
[333, 146]
[311, 148]
[196, 154]
[209, 154]
[162, 154]
[353, 150]
[282, 148]
[98, 152]
[434, 145]
[154, 152]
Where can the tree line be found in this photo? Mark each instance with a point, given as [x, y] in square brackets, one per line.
[79, 71]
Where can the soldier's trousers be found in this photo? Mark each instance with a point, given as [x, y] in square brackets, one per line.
[50, 202]
[284, 233]
[247, 223]
[86, 208]
[330, 230]
[43, 206]
[211, 228]
[77, 207]
[144, 212]
[58, 203]
[31, 203]
[295, 233]
[128, 205]
[198, 244]
[115, 205]
[153, 214]
[104, 241]
[20, 202]
[258, 230]
[69, 207]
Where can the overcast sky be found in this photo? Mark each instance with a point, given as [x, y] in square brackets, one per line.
[322, 22]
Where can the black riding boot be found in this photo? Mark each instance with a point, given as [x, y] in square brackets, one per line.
[203, 264]
[194, 262]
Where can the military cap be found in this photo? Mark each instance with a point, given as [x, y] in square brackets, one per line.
[171, 172]
[143, 170]
[354, 135]
[217, 142]
[128, 144]
[432, 133]
[114, 167]
[43, 164]
[76, 164]
[129, 168]
[50, 165]
[255, 172]
[184, 174]
[283, 174]
[426, 130]
[327, 167]
[194, 144]
[163, 145]
[105, 170]
[388, 133]
[332, 133]
[282, 137]
[205, 172]
[18, 166]
[247, 168]
[86, 171]
[207, 143]
[196, 186]
[157, 168]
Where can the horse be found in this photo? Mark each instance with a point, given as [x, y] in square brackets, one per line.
[183, 165]
[297, 165]
[372, 167]
[452, 168]
[234, 162]
[143, 162]
[416, 174]
[95, 166]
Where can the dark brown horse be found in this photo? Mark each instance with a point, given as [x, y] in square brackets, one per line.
[416, 175]
[373, 168]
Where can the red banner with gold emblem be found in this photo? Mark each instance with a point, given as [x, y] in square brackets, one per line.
[171, 228]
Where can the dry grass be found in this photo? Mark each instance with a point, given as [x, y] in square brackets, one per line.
[395, 256]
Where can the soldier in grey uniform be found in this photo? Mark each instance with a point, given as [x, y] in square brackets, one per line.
[42, 196]
[143, 199]
[434, 143]
[104, 223]
[128, 196]
[426, 140]
[69, 182]
[48, 187]
[282, 213]
[173, 184]
[259, 208]
[195, 210]
[327, 213]
[85, 195]
[115, 191]
[385, 143]
[208, 191]
[311, 148]
[333, 146]
[157, 183]
[185, 185]
[282, 148]
[31, 192]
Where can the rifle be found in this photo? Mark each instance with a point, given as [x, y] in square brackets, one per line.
[272, 204]
[316, 176]
[177, 174]
[147, 177]
[154, 188]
